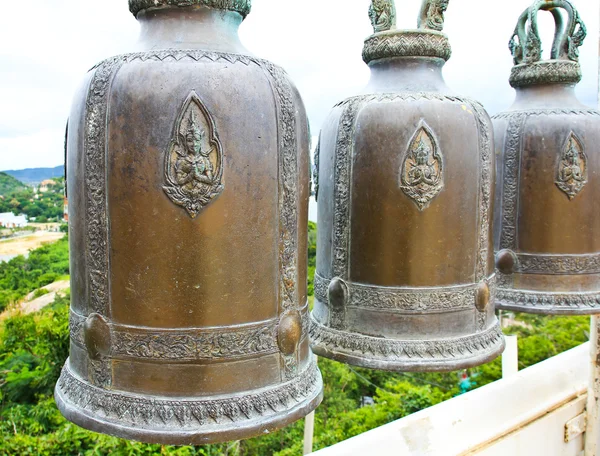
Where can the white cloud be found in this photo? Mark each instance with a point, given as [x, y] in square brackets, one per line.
[43, 148]
[46, 49]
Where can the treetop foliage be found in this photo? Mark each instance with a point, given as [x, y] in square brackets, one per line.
[21, 275]
[10, 185]
[18, 198]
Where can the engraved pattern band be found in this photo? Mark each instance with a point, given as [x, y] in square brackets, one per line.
[548, 303]
[417, 300]
[408, 351]
[131, 409]
[558, 264]
[217, 343]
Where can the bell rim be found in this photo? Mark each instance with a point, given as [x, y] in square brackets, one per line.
[569, 302]
[201, 434]
[369, 360]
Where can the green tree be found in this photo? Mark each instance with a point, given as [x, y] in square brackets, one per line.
[23, 275]
[19, 198]
[9, 185]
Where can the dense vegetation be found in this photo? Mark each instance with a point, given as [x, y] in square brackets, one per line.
[34, 347]
[22, 275]
[17, 198]
[9, 184]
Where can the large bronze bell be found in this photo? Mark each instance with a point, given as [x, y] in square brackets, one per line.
[548, 207]
[405, 262]
[188, 183]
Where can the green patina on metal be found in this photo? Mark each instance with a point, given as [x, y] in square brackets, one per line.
[383, 15]
[526, 46]
[432, 14]
[425, 41]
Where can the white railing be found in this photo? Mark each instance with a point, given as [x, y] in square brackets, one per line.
[538, 411]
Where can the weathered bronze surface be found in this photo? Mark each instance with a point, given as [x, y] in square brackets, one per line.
[548, 201]
[405, 265]
[188, 183]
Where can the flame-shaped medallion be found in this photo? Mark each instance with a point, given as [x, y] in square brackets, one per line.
[421, 176]
[194, 161]
[572, 172]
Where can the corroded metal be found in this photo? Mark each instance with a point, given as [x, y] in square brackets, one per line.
[432, 14]
[526, 46]
[189, 318]
[405, 277]
[548, 254]
[383, 15]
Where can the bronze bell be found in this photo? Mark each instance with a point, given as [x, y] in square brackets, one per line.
[548, 207]
[405, 262]
[187, 173]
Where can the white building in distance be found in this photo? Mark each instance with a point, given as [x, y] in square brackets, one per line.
[10, 220]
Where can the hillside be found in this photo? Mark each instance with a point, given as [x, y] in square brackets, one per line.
[45, 206]
[8, 184]
[37, 175]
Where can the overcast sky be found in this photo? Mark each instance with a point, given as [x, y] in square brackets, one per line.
[47, 46]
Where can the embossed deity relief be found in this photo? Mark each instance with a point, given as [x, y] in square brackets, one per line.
[421, 175]
[194, 161]
[572, 172]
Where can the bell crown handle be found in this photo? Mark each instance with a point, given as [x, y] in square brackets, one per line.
[431, 16]
[427, 41]
[567, 40]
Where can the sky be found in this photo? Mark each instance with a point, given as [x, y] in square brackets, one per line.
[47, 46]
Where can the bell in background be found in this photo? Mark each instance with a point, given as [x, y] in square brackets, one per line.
[548, 207]
[188, 183]
[405, 262]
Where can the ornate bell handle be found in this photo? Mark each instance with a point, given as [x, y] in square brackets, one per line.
[532, 53]
[432, 14]
[566, 40]
[566, 45]
[383, 15]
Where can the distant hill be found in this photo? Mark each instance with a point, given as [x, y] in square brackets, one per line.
[37, 175]
[9, 184]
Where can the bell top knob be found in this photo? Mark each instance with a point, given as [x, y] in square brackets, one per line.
[526, 46]
[425, 41]
[239, 6]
